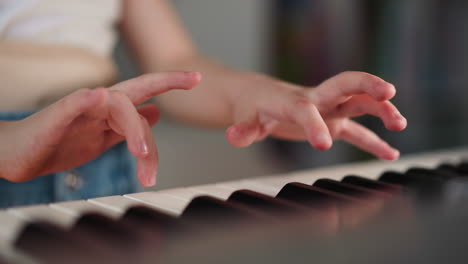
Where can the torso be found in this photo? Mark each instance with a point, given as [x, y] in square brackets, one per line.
[49, 48]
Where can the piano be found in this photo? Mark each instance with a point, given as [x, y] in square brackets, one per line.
[349, 206]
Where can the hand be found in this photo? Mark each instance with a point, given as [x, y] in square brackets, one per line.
[318, 115]
[84, 124]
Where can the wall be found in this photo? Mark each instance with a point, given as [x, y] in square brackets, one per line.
[236, 33]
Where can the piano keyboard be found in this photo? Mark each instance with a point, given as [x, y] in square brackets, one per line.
[173, 203]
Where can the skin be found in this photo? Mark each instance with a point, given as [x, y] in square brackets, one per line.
[250, 106]
[253, 106]
[84, 124]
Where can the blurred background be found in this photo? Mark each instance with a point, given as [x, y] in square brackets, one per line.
[418, 45]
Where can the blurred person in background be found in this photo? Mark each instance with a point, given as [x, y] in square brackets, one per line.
[50, 48]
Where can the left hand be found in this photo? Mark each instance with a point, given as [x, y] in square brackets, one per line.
[84, 124]
[319, 115]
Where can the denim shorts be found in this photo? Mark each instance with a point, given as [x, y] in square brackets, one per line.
[112, 173]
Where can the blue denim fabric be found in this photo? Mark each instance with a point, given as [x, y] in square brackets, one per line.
[112, 173]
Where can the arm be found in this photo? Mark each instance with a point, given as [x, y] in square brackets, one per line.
[252, 105]
[144, 22]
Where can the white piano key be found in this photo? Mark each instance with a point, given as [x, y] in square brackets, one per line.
[250, 185]
[43, 212]
[116, 203]
[185, 194]
[213, 190]
[166, 203]
[274, 183]
[14, 256]
[77, 208]
[11, 255]
[10, 226]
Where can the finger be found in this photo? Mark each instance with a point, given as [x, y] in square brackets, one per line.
[147, 167]
[289, 132]
[364, 104]
[244, 133]
[146, 86]
[367, 140]
[339, 88]
[303, 113]
[300, 119]
[125, 120]
[150, 112]
[266, 128]
[60, 114]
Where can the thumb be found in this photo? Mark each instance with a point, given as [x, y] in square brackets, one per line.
[243, 134]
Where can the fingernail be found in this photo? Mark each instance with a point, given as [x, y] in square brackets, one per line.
[195, 75]
[144, 148]
[152, 181]
[402, 123]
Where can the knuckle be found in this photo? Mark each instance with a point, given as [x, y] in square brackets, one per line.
[302, 105]
[353, 74]
[299, 108]
[367, 79]
[144, 122]
[374, 81]
[349, 73]
[302, 101]
[390, 110]
[118, 96]
[162, 78]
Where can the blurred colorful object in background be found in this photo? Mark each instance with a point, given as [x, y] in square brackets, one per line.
[418, 45]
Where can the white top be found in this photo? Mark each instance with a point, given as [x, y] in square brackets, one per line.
[87, 24]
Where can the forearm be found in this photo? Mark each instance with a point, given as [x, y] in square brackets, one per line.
[210, 104]
[13, 137]
[160, 43]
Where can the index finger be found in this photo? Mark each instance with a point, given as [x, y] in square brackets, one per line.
[144, 87]
[338, 89]
[299, 110]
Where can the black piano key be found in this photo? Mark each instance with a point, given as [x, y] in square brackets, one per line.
[143, 215]
[463, 167]
[449, 168]
[151, 220]
[311, 196]
[98, 227]
[394, 177]
[423, 186]
[52, 244]
[207, 209]
[344, 188]
[434, 173]
[454, 169]
[264, 202]
[372, 184]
